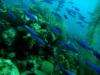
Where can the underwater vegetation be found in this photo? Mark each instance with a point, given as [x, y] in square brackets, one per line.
[33, 41]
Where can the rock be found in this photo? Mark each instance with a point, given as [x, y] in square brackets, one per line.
[38, 72]
[47, 67]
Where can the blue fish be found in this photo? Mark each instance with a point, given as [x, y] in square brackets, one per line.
[91, 13]
[60, 5]
[71, 12]
[72, 47]
[84, 44]
[93, 66]
[11, 15]
[65, 71]
[57, 14]
[71, 2]
[48, 1]
[96, 54]
[76, 8]
[34, 35]
[30, 15]
[79, 22]
[65, 16]
[55, 29]
[33, 1]
[81, 17]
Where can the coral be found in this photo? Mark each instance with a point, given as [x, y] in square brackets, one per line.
[9, 36]
[7, 67]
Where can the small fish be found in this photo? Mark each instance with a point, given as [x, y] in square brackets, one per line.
[93, 66]
[55, 29]
[48, 1]
[81, 17]
[30, 15]
[65, 16]
[76, 8]
[34, 35]
[87, 22]
[66, 45]
[84, 44]
[79, 22]
[71, 2]
[81, 25]
[57, 15]
[33, 1]
[96, 54]
[71, 12]
[65, 71]
[91, 13]
[11, 15]
[60, 5]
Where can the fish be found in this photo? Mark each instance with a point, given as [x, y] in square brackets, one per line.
[55, 29]
[96, 54]
[87, 22]
[81, 25]
[71, 12]
[65, 71]
[71, 2]
[81, 17]
[65, 16]
[30, 15]
[66, 45]
[76, 8]
[34, 35]
[60, 5]
[79, 22]
[57, 15]
[33, 1]
[11, 15]
[94, 67]
[48, 1]
[84, 44]
[91, 13]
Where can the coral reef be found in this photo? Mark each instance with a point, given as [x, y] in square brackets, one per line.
[23, 31]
